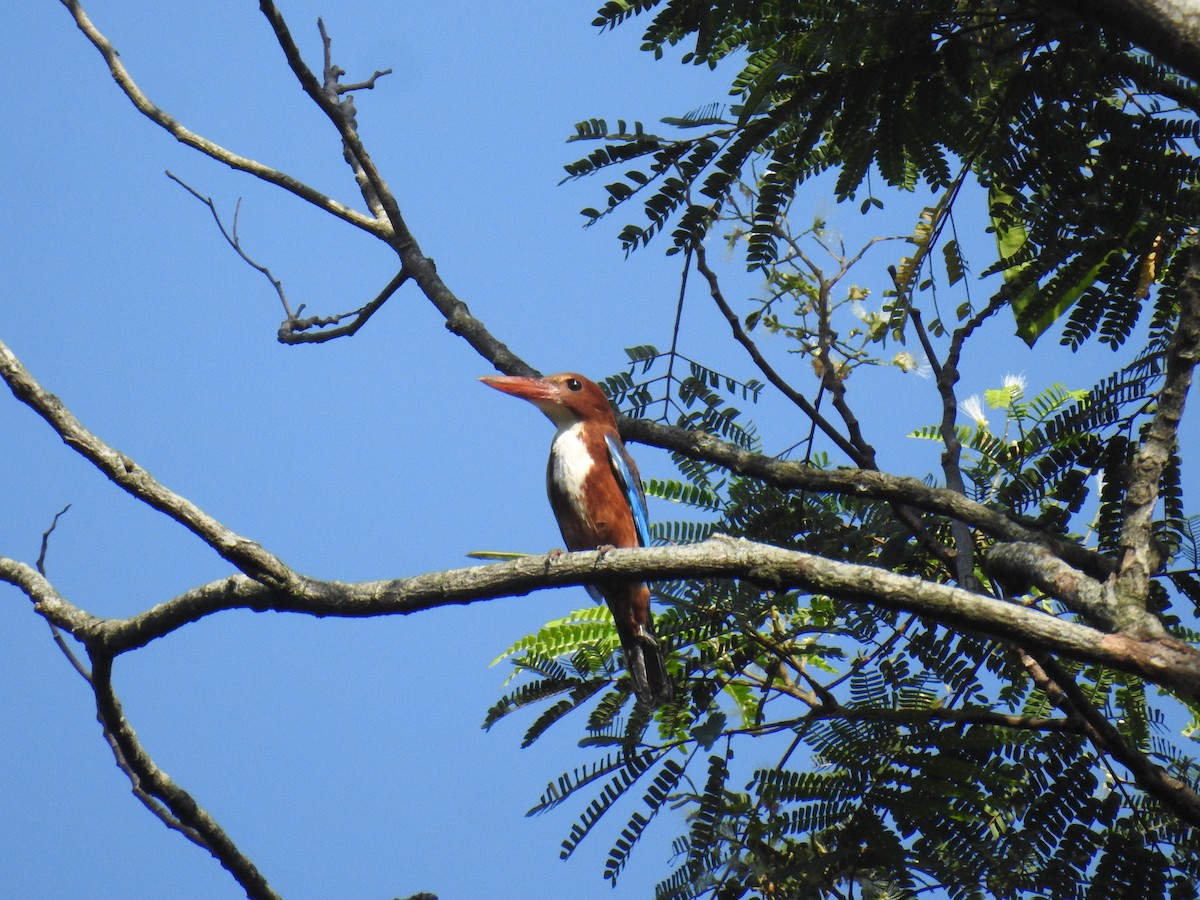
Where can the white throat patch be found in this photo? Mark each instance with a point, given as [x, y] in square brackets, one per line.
[570, 464]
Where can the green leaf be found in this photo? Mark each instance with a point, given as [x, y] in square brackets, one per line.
[706, 734]
[1034, 317]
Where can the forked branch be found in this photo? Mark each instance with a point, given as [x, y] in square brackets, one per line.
[739, 334]
[209, 148]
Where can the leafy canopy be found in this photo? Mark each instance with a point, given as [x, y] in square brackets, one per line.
[1085, 145]
[878, 754]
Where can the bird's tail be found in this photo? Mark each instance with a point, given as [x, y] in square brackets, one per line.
[647, 668]
[644, 659]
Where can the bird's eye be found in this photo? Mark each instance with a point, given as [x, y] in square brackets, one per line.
[574, 384]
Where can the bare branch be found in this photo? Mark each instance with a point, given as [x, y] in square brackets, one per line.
[391, 228]
[293, 330]
[414, 263]
[333, 73]
[1164, 661]
[1022, 564]
[164, 120]
[246, 555]
[153, 788]
[296, 330]
[233, 240]
[340, 113]
[367, 85]
[161, 795]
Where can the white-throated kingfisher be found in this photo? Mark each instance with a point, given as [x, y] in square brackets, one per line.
[597, 497]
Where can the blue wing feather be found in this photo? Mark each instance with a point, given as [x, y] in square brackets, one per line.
[625, 471]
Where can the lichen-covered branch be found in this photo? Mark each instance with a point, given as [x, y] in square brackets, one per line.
[1140, 555]
[46, 600]
[245, 554]
[1025, 565]
[863, 483]
[1164, 661]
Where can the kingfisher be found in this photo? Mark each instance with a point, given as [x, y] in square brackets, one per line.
[597, 497]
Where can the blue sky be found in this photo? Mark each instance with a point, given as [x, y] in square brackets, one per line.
[344, 757]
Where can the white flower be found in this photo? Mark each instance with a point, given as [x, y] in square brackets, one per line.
[1015, 385]
[909, 363]
[973, 407]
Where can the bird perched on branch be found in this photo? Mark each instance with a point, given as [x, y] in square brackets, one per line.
[597, 497]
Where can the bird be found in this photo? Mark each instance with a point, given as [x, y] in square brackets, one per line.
[598, 500]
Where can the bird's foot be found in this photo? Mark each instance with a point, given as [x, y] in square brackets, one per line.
[553, 556]
[644, 635]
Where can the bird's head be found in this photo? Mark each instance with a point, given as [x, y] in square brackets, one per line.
[565, 398]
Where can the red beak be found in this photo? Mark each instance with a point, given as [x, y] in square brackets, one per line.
[534, 390]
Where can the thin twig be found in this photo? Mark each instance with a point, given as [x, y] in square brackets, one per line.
[922, 334]
[765, 367]
[672, 353]
[295, 330]
[55, 631]
[235, 161]
[41, 560]
[234, 241]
